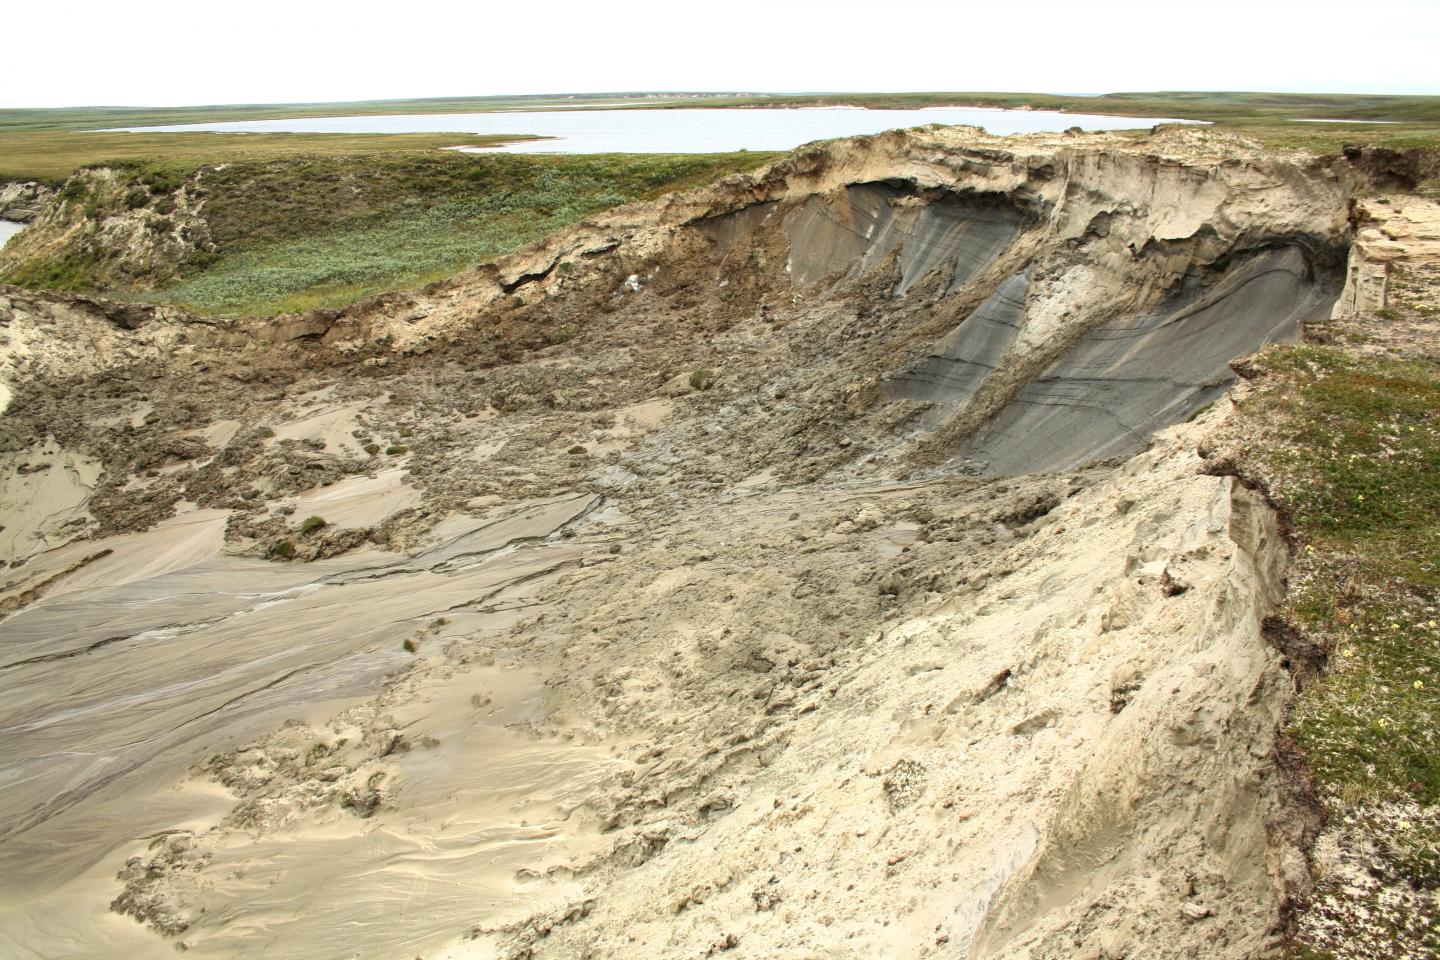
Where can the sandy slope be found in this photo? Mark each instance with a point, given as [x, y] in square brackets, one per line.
[727, 574]
[822, 736]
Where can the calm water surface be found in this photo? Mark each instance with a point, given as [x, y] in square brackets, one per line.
[679, 131]
[8, 229]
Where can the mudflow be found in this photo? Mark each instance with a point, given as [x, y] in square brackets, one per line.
[818, 564]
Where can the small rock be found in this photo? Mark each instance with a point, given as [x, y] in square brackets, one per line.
[1123, 683]
[1171, 585]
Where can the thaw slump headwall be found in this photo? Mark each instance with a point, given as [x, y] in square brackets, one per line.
[858, 229]
[1109, 295]
[962, 360]
[1132, 376]
[1046, 301]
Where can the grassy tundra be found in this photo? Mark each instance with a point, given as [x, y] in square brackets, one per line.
[307, 229]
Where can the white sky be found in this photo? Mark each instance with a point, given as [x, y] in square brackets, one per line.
[158, 52]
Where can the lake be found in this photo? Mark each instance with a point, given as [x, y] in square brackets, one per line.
[8, 229]
[678, 131]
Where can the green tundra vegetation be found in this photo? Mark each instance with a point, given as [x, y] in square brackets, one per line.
[324, 231]
[302, 230]
[1354, 463]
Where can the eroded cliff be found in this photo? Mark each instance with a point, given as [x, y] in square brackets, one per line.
[818, 563]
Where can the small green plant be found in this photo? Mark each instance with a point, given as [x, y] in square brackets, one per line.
[311, 525]
[396, 449]
[702, 379]
[411, 646]
[1388, 313]
[284, 550]
[438, 623]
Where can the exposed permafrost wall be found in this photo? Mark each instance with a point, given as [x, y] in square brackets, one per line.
[1096, 295]
[1052, 302]
[855, 230]
[962, 360]
[1122, 381]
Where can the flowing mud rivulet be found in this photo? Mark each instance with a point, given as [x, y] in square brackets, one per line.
[818, 564]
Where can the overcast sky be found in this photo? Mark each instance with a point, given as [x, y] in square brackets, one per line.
[156, 52]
